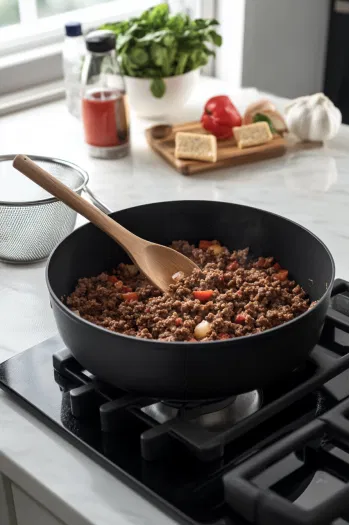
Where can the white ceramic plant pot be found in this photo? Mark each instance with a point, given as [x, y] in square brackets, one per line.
[143, 102]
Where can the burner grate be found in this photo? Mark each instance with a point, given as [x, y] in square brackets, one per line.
[320, 450]
[184, 422]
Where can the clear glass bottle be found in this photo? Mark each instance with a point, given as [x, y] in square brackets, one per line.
[105, 112]
[73, 54]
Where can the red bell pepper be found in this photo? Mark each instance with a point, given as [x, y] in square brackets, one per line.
[203, 295]
[130, 296]
[281, 275]
[220, 117]
[240, 319]
[233, 266]
[224, 336]
[204, 245]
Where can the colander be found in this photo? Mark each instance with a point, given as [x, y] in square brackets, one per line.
[32, 222]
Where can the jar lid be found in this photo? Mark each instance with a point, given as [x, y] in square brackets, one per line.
[73, 29]
[100, 41]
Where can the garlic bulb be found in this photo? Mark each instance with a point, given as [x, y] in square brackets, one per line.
[313, 118]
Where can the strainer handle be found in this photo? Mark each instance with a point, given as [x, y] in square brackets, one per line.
[97, 202]
[121, 235]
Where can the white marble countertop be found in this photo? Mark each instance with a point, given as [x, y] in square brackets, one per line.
[310, 187]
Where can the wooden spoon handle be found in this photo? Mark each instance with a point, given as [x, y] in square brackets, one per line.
[41, 177]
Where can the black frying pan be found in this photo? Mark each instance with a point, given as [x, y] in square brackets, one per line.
[189, 371]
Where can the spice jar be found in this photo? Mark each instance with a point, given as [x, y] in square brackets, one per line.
[105, 113]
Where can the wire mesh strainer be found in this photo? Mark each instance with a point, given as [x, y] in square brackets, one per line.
[32, 222]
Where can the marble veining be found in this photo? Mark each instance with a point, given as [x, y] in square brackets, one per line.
[310, 187]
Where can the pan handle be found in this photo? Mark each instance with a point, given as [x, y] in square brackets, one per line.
[96, 201]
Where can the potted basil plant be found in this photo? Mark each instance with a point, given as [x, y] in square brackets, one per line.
[161, 56]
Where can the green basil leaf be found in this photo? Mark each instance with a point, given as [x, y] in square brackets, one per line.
[138, 56]
[122, 40]
[259, 117]
[158, 87]
[176, 23]
[204, 22]
[169, 40]
[216, 38]
[129, 67]
[158, 15]
[158, 54]
[156, 45]
[151, 72]
[181, 63]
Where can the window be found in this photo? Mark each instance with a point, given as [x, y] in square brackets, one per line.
[32, 32]
[29, 24]
[16, 11]
[54, 7]
[9, 11]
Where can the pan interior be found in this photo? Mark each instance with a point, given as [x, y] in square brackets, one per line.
[88, 251]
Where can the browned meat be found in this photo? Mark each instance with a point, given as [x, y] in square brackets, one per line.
[231, 296]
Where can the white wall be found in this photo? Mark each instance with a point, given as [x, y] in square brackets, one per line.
[284, 47]
[229, 61]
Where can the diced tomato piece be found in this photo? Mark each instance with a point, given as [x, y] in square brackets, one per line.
[239, 293]
[147, 310]
[240, 319]
[204, 245]
[130, 296]
[112, 278]
[178, 321]
[126, 289]
[277, 267]
[233, 266]
[193, 340]
[203, 295]
[223, 336]
[282, 275]
[261, 262]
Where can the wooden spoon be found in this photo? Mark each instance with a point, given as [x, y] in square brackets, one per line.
[157, 262]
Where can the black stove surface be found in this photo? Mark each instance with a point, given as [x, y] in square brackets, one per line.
[226, 463]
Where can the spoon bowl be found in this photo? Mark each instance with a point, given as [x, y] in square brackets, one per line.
[158, 263]
[168, 261]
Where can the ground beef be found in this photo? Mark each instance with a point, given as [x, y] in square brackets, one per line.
[232, 295]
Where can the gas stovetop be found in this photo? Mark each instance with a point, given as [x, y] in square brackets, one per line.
[274, 457]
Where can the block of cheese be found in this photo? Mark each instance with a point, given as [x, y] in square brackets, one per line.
[195, 146]
[252, 134]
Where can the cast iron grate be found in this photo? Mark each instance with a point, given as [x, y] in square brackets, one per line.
[320, 449]
[118, 410]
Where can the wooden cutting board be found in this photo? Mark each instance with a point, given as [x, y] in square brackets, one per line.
[228, 153]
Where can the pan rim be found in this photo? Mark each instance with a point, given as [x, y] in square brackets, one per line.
[225, 342]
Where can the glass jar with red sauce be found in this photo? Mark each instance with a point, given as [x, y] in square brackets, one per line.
[105, 112]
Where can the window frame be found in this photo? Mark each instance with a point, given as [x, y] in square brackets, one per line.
[50, 30]
[31, 53]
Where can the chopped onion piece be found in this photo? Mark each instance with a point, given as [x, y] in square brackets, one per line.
[216, 249]
[76, 312]
[178, 276]
[202, 329]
